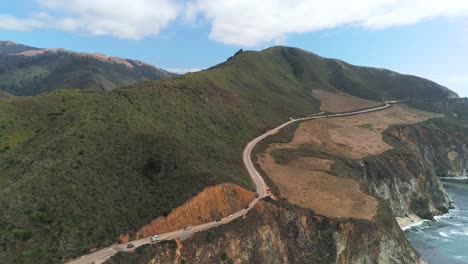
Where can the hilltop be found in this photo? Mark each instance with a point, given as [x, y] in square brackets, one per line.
[27, 70]
[10, 47]
[314, 71]
[79, 168]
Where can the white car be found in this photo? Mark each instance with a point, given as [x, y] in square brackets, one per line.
[229, 216]
[154, 238]
[187, 228]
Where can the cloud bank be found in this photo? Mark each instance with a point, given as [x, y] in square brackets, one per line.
[235, 22]
[135, 19]
[245, 22]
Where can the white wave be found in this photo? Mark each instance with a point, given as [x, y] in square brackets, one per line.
[443, 234]
[444, 216]
[414, 225]
[458, 233]
[462, 258]
[454, 178]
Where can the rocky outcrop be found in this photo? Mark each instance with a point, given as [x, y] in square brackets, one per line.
[407, 183]
[407, 176]
[276, 232]
[445, 150]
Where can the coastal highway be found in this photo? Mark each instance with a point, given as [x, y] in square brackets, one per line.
[103, 254]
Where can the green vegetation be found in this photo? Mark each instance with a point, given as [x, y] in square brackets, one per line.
[29, 75]
[384, 216]
[81, 167]
[367, 126]
[452, 108]
[284, 156]
[455, 111]
[369, 83]
[84, 167]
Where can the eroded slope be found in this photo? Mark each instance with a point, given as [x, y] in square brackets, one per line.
[275, 232]
[212, 203]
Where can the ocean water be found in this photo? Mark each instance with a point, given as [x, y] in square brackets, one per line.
[445, 241]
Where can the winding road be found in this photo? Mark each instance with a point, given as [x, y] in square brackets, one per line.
[262, 190]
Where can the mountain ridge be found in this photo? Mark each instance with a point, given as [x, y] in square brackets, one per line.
[359, 81]
[27, 70]
[451, 93]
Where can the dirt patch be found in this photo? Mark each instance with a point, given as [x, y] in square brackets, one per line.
[341, 102]
[356, 136]
[307, 182]
[212, 203]
[124, 238]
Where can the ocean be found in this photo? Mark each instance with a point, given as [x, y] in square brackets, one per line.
[445, 240]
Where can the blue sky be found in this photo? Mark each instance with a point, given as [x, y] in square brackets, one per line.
[424, 38]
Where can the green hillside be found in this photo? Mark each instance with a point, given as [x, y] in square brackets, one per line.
[365, 82]
[78, 168]
[28, 71]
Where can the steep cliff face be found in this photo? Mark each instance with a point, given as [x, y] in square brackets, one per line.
[407, 182]
[443, 141]
[446, 151]
[407, 176]
[275, 232]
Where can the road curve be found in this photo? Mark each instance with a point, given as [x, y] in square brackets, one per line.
[262, 189]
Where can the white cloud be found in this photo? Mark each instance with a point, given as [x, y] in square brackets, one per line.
[182, 71]
[237, 22]
[134, 19]
[9, 22]
[250, 23]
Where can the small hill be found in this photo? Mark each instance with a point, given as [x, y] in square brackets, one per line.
[79, 167]
[28, 71]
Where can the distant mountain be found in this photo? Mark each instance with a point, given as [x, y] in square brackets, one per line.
[26, 70]
[10, 47]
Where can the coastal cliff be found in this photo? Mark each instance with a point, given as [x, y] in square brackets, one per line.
[446, 151]
[408, 176]
[275, 232]
[404, 179]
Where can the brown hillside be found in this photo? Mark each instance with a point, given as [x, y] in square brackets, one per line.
[212, 203]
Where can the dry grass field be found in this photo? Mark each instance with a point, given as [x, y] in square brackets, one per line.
[306, 181]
